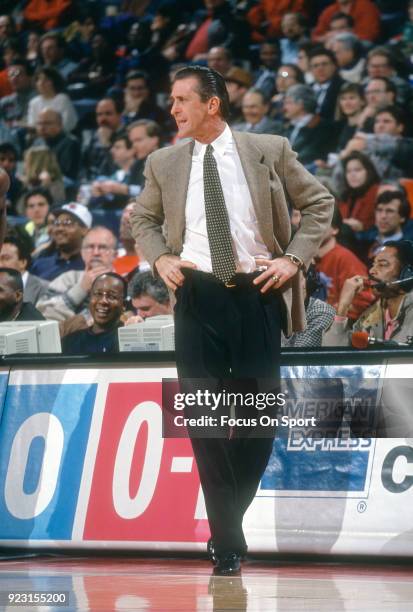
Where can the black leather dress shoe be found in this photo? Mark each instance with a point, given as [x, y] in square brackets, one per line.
[227, 565]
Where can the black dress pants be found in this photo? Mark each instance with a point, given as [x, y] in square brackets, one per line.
[226, 337]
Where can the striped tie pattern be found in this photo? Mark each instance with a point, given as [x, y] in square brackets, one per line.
[217, 221]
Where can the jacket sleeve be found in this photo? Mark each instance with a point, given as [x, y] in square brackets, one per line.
[312, 199]
[147, 218]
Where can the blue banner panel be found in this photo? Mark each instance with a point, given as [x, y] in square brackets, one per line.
[43, 439]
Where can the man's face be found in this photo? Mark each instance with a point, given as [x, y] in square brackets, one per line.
[379, 66]
[18, 78]
[142, 144]
[218, 60]
[322, 68]
[137, 89]
[268, 55]
[125, 232]
[9, 258]
[376, 94]
[253, 108]
[148, 307]
[121, 153]
[5, 27]
[339, 25]
[37, 208]
[292, 109]
[98, 249]
[388, 219]
[344, 56]
[385, 123]
[50, 51]
[106, 301]
[8, 162]
[9, 297]
[106, 115]
[48, 124]
[386, 265]
[290, 26]
[345, 5]
[68, 233]
[188, 110]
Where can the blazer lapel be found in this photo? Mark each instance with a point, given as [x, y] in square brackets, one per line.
[178, 173]
[257, 175]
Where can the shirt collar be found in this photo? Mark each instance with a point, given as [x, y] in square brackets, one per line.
[220, 144]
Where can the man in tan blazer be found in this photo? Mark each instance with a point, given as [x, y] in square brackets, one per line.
[213, 221]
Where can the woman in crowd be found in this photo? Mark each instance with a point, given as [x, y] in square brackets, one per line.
[51, 86]
[361, 183]
[351, 103]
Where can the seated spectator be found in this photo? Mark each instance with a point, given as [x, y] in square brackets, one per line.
[51, 87]
[349, 53]
[361, 183]
[149, 296]
[8, 161]
[319, 315]
[139, 102]
[97, 160]
[69, 293]
[365, 14]
[53, 54]
[15, 254]
[391, 316]
[266, 16]
[37, 204]
[113, 191]
[337, 264]
[14, 107]
[287, 76]
[50, 133]
[391, 213]
[95, 73]
[11, 52]
[294, 32]
[46, 15]
[7, 29]
[70, 226]
[264, 77]
[382, 63]
[237, 81]
[390, 152]
[255, 107]
[309, 135]
[351, 104]
[32, 55]
[327, 81]
[219, 59]
[41, 169]
[145, 136]
[107, 299]
[127, 258]
[339, 23]
[220, 25]
[303, 60]
[12, 305]
[379, 92]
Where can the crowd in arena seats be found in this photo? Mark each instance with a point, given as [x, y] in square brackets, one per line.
[84, 100]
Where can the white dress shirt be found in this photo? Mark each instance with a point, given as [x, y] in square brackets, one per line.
[247, 242]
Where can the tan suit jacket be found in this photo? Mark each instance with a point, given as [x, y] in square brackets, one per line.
[276, 181]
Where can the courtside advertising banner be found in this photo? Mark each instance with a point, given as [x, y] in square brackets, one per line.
[84, 464]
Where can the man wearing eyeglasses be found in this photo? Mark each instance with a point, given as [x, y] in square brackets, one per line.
[69, 293]
[14, 107]
[70, 227]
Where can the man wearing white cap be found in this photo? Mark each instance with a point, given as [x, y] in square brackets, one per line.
[71, 225]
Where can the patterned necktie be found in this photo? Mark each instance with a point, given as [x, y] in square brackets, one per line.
[217, 221]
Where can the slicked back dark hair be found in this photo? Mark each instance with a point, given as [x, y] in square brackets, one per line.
[210, 84]
[388, 196]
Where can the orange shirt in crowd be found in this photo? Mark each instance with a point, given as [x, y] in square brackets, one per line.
[125, 264]
[366, 17]
[5, 87]
[273, 12]
[338, 265]
[46, 13]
